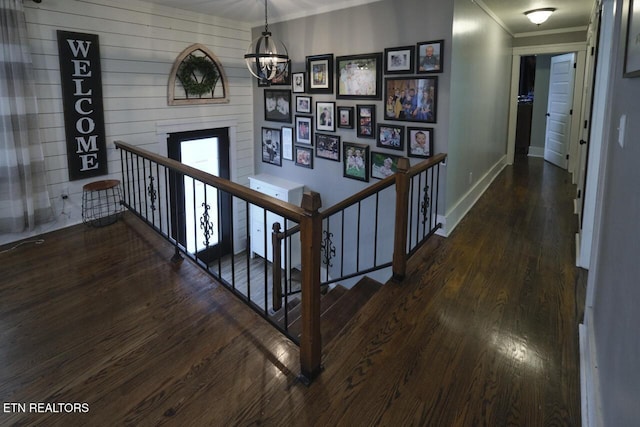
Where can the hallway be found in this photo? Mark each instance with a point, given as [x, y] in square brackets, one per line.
[484, 330]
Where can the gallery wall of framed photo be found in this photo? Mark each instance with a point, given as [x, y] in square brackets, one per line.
[363, 110]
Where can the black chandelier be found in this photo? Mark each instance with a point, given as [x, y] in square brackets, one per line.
[266, 56]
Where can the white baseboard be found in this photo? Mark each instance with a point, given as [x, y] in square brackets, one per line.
[442, 230]
[589, 382]
[536, 151]
[466, 202]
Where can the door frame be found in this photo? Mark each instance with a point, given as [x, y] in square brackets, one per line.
[176, 188]
[518, 52]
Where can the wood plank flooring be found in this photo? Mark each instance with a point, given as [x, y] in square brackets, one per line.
[482, 332]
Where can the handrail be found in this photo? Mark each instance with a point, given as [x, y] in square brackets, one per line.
[422, 166]
[415, 212]
[381, 185]
[361, 195]
[278, 206]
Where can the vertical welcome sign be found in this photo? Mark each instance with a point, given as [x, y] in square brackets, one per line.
[82, 100]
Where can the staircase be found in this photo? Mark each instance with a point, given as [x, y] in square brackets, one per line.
[337, 307]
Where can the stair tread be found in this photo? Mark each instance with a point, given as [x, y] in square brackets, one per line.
[337, 307]
[337, 316]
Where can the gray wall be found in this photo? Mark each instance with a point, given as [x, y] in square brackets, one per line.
[472, 114]
[573, 37]
[480, 76]
[358, 30]
[616, 316]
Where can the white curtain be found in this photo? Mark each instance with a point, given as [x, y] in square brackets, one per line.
[24, 199]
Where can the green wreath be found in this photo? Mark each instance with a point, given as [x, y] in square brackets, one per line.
[186, 75]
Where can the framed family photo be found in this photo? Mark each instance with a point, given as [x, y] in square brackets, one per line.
[303, 104]
[304, 157]
[297, 82]
[383, 164]
[328, 146]
[390, 136]
[420, 142]
[271, 148]
[366, 121]
[277, 105]
[429, 56]
[320, 73]
[411, 99]
[632, 45]
[304, 129]
[358, 76]
[356, 161]
[345, 117]
[325, 116]
[284, 79]
[399, 60]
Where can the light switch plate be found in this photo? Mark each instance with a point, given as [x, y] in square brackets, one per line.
[621, 129]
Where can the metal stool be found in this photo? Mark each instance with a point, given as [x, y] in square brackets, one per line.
[101, 202]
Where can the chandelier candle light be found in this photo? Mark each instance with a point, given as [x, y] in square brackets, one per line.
[266, 56]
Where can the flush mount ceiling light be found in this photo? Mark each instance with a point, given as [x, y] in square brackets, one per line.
[266, 56]
[538, 16]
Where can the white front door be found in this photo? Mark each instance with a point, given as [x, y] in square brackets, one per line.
[559, 109]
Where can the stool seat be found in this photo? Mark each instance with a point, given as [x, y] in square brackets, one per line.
[101, 202]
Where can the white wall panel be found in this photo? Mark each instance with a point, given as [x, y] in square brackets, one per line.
[139, 43]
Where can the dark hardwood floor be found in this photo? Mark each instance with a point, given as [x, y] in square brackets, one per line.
[483, 331]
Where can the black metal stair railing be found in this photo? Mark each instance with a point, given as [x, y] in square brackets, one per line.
[380, 227]
[150, 192]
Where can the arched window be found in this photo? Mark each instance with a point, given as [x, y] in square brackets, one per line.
[197, 78]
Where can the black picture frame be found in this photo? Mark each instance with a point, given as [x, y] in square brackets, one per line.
[283, 79]
[390, 136]
[303, 104]
[355, 161]
[399, 60]
[325, 116]
[320, 73]
[632, 47]
[411, 99]
[429, 63]
[418, 146]
[277, 105]
[328, 146]
[304, 156]
[345, 117]
[304, 130]
[383, 165]
[359, 76]
[298, 82]
[271, 146]
[366, 121]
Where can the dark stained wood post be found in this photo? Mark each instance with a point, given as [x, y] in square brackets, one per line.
[399, 266]
[311, 240]
[276, 267]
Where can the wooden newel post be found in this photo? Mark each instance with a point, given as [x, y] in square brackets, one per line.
[311, 240]
[402, 217]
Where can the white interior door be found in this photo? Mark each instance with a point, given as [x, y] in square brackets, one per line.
[583, 147]
[559, 109]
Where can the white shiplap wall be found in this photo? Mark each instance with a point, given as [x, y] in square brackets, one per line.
[139, 43]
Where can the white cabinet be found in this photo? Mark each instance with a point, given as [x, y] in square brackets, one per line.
[261, 227]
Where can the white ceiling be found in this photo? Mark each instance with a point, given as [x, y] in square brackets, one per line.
[569, 13]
